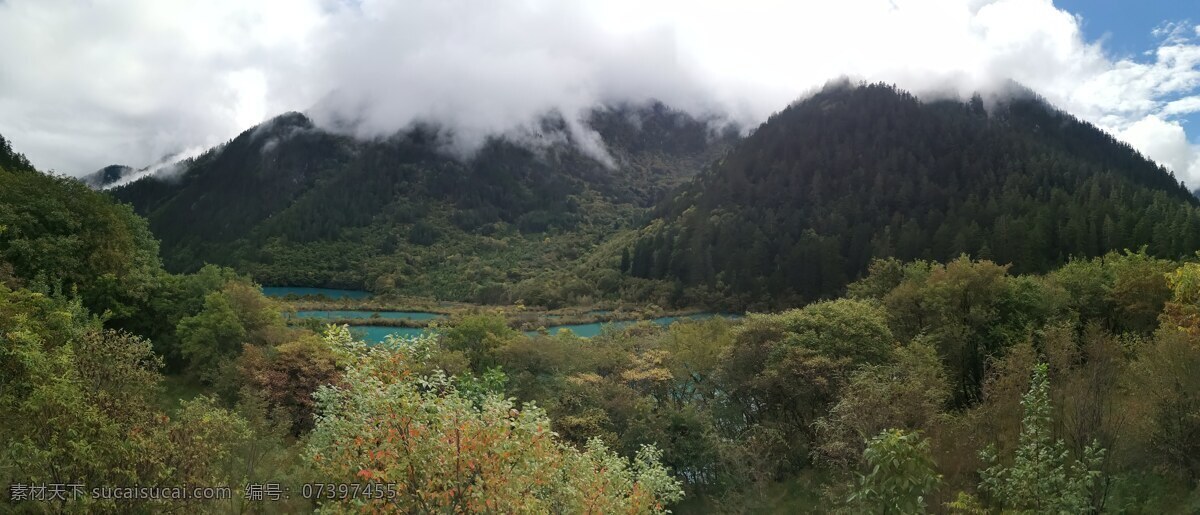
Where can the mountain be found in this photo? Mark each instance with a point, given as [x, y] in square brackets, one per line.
[294, 204]
[106, 176]
[855, 173]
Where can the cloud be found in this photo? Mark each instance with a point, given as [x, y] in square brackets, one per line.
[1186, 105]
[1167, 142]
[88, 84]
[482, 68]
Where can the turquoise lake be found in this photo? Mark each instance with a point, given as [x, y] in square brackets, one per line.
[331, 293]
[344, 314]
[376, 334]
[594, 329]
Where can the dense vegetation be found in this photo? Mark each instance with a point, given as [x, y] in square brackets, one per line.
[56, 234]
[943, 387]
[854, 173]
[292, 204]
[954, 387]
[85, 338]
[1064, 382]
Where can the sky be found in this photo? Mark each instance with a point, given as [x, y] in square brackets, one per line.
[85, 84]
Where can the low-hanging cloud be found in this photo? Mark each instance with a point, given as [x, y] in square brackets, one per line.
[89, 84]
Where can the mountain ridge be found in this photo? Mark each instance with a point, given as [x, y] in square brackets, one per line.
[287, 188]
[857, 172]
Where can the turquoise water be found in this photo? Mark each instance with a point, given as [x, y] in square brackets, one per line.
[283, 291]
[593, 329]
[376, 334]
[594, 312]
[407, 315]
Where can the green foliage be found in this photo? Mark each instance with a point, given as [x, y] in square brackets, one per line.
[1042, 477]
[784, 371]
[11, 159]
[909, 393]
[60, 235]
[859, 172]
[1183, 311]
[299, 205]
[1164, 377]
[423, 233]
[478, 337]
[173, 298]
[78, 405]
[1124, 291]
[900, 475]
[970, 311]
[59, 422]
[212, 336]
[236, 315]
[848, 329]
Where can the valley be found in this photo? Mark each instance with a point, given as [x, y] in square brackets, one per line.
[456, 257]
[869, 303]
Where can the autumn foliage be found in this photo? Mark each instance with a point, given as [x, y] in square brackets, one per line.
[448, 454]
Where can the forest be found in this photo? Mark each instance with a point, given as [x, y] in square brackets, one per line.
[790, 213]
[854, 173]
[116, 373]
[944, 383]
[295, 204]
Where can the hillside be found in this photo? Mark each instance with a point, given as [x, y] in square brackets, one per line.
[293, 204]
[57, 235]
[106, 176]
[800, 208]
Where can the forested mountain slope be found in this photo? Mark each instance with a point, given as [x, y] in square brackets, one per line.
[294, 204]
[800, 207]
[113, 372]
[927, 387]
[106, 176]
[58, 235]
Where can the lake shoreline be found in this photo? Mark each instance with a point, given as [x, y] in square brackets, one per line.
[408, 316]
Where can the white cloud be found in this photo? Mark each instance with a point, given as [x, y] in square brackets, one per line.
[1182, 106]
[1167, 142]
[1172, 31]
[87, 84]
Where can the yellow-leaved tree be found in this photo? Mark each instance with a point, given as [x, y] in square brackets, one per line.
[449, 452]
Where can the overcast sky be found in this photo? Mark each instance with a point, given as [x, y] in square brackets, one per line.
[84, 84]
